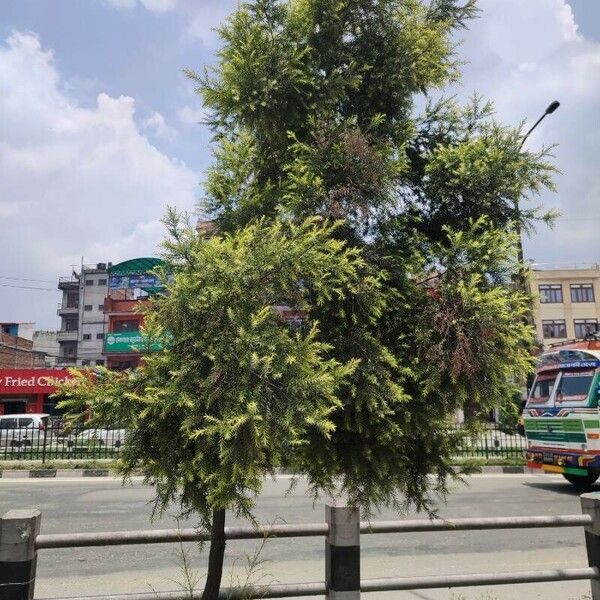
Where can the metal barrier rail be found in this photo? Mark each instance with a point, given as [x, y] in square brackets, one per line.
[366, 585]
[20, 540]
[162, 536]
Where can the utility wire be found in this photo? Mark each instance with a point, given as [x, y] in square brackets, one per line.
[25, 279]
[28, 287]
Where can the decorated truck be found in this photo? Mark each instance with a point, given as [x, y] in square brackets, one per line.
[561, 419]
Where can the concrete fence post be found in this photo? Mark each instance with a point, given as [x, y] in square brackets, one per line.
[590, 505]
[18, 557]
[342, 553]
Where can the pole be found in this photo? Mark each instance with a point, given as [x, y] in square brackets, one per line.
[590, 505]
[522, 279]
[342, 553]
[18, 556]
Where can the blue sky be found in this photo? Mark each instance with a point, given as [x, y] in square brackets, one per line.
[98, 125]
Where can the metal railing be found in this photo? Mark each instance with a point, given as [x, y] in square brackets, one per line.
[67, 306]
[494, 441]
[83, 442]
[55, 442]
[21, 540]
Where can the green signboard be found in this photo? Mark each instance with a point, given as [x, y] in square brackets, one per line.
[129, 341]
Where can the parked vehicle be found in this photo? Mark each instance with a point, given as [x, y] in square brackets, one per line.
[22, 430]
[561, 418]
[109, 438]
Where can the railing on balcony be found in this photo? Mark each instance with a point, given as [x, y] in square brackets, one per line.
[67, 308]
[68, 282]
[67, 335]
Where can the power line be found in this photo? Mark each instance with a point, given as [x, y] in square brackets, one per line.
[28, 287]
[577, 219]
[25, 279]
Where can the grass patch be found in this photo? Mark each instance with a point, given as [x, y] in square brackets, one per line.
[36, 465]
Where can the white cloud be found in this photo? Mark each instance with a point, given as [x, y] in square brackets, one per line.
[189, 114]
[202, 16]
[157, 125]
[523, 55]
[121, 4]
[159, 5]
[74, 181]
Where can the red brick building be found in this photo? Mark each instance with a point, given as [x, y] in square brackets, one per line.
[17, 352]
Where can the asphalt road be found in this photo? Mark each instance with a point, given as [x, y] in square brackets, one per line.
[106, 505]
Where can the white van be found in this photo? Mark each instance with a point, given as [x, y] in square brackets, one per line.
[22, 430]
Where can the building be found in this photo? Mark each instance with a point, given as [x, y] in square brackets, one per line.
[22, 330]
[83, 322]
[131, 283]
[566, 302]
[28, 390]
[18, 352]
[47, 342]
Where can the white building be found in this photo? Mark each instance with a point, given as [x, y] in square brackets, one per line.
[81, 336]
[47, 342]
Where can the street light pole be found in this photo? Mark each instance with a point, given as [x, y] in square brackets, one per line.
[549, 110]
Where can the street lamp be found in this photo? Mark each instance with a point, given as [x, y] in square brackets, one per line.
[549, 110]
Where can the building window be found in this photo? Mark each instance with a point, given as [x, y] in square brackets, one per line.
[72, 300]
[101, 281]
[550, 294]
[554, 329]
[99, 336]
[87, 307]
[87, 336]
[126, 325]
[85, 363]
[71, 325]
[69, 350]
[582, 292]
[99, 363]
[89, 282]
[585, 326]
[100, 307]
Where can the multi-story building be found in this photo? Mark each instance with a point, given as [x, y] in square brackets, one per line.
[566, 302]
[83, 326]
[130, 284]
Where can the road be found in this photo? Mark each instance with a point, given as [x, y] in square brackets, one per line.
[79, 505]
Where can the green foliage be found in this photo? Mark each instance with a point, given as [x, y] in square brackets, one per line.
[236, 391]
[410, 305]
[312, 106]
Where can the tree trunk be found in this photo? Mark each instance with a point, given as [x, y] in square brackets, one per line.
[215, 556]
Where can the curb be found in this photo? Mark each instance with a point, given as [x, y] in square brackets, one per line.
[53, 473]
[71, 473]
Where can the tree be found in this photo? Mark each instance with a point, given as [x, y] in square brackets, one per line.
[313, 106]
[408, 302]
[236, 391]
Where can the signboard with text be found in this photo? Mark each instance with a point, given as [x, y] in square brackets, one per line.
[130, 341]
[31, 381]
[128, 282]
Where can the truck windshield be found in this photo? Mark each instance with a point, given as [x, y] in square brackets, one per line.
[542, 389]
[574, 386]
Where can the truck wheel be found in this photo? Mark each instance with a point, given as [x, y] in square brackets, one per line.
[581, 482]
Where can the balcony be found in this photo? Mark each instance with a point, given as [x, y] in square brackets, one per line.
[68, 283]
[67, 335]
[66, 308]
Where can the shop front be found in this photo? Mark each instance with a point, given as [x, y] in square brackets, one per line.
[28, 390]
